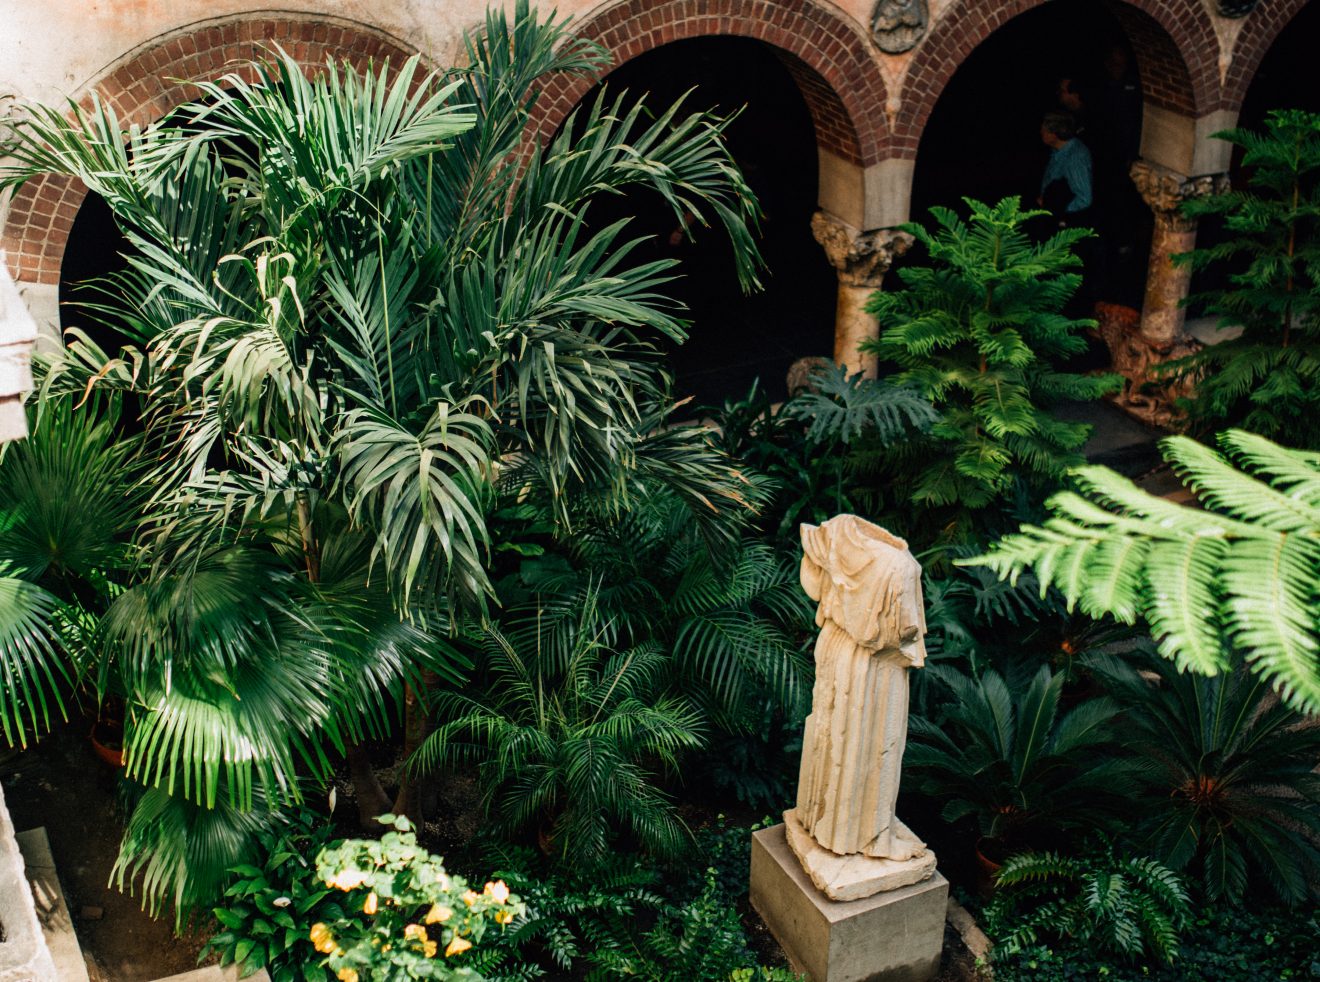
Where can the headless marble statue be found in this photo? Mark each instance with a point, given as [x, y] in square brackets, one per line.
[844, 829]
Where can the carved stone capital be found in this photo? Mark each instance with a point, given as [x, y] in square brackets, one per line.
[862, 258]
[1165, 190]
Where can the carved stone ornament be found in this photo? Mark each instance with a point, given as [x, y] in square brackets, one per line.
[1235, 8]
[862, 258]
[18, 331]
[1146, 395]
[897, 25]
[1164, 190]
[844, 830]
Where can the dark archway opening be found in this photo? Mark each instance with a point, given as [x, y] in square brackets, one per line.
[736, 339]
[983, 137]
[1287, 77]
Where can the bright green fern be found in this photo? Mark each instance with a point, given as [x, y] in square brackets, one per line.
[1130, 906]
[1244, 571]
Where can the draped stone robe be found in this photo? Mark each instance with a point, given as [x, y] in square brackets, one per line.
[870, 612]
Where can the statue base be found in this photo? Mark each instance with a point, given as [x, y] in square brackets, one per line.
[893, 936]
[856, 877]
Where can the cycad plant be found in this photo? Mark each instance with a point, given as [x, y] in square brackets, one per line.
[1229, 788]
[1029, 772]
[570, 735]
[979, 331]
[1266, 379]
[354, 305]
[1240, 574]
[1131, 906]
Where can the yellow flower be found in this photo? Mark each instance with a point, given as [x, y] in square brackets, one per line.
[497, 891]
[322, 939]
[414, 932]
[438, 913]
[348, 975]
[429, 949]
[457, 945]
[369, 905]
[348, 879]
[470, 898]
[503, 917]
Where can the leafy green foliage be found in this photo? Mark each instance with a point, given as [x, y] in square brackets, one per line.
[1027, 772]
[979, 332]
[1221, 942]
[414, 916]
[570, 734]
[1266, 380]
[822, 450]
[1228, 786]
[727, 616]
[839, 407]
[625, 919]
[271, 904]
[1131, 906]
[1242, 573]
[353, 307]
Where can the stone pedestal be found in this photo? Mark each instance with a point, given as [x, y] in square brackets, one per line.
[861, 260]
[893, 936]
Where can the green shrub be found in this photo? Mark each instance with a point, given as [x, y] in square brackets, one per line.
[1223, 944]
[269, 908]
[406, 917]
[1113, 904]
[1029, 774]
[1268, 378]
[571, 735]
[981, 334]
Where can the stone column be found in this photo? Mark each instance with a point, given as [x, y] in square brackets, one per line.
[1138, 345]
[861, 259]
[1164, 191]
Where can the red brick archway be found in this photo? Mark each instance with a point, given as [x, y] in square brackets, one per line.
[1258, 33]
[829, 57]
[145, 86]
[1174, 41]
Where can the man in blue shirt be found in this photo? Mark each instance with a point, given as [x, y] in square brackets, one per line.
[1067, 178]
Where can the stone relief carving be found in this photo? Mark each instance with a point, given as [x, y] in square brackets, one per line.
[897, 25]
[1235, 8]
[862, 258]
[844, 829]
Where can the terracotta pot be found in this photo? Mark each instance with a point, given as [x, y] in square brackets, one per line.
[987, 869]
[107, 739]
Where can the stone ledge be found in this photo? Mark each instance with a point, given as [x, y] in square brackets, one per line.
[24, 956]
[52, 911]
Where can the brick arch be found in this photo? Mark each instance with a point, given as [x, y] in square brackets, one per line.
[1253, 43]
[828, 56]
[144, 86]
[1174, 41]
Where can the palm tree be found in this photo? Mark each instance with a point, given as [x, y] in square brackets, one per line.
[570, 733]
[352, 305]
